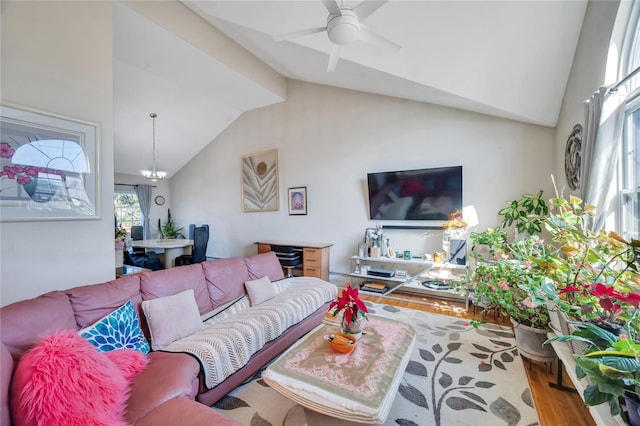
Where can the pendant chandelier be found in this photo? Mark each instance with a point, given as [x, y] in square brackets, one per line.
[153, 174]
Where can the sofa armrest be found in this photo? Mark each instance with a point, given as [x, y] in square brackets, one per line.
[185, 412]
[167, 376]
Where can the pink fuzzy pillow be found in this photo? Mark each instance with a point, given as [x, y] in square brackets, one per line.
[130, 362]
[65, 380]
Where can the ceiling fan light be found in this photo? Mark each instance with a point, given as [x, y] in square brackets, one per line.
[343, 29]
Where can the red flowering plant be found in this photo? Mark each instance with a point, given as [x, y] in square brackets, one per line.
[592, 276]
[349, 301]
[603, 304]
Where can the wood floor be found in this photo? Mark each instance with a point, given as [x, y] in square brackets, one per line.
[555, 407]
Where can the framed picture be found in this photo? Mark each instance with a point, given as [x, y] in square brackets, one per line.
[260, 182]
[298, 200]
[48, 166]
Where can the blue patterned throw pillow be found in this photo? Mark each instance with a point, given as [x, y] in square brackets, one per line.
[118, 330]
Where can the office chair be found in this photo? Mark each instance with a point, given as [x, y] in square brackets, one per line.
[199, 251]
[289, 258]
[142, 261]
[137, 234]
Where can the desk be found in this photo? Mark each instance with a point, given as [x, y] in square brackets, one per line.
[172, 248]
[315, 256]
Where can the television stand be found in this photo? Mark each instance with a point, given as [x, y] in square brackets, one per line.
[412, 276]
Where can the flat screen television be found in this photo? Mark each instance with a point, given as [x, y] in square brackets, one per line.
[415, 195]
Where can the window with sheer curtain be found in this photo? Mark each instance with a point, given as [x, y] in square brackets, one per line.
[629, 206]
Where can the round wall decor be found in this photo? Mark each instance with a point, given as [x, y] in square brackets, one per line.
[572, 157]
[159, 200]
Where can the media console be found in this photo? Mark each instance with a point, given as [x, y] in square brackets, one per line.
[415, 276]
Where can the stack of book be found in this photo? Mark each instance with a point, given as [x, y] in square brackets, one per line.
[374, 286]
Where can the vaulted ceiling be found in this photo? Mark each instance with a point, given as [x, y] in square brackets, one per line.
[509, 59]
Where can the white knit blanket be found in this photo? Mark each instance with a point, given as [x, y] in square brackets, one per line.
[234, 335]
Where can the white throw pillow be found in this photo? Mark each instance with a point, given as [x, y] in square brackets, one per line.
[260, 290]
[171, 318]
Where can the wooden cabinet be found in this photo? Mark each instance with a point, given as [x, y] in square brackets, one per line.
[315, 256]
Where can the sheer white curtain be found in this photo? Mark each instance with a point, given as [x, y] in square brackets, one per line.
[144, 198]
[604, 120]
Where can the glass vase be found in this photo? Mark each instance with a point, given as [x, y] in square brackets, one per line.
[354, 328]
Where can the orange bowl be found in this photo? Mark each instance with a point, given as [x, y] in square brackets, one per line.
[341, 347]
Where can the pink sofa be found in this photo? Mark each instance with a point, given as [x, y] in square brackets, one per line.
[165, 391]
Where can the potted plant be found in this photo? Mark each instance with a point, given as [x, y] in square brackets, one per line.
[353, 311]
[169, 230]
[505, 284]
[526, 213]
[120, 237]
[491, 240]
[591, 276]
[612, 365]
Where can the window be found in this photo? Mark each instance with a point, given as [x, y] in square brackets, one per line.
[629, 211]
[127, 209]
[630, 193]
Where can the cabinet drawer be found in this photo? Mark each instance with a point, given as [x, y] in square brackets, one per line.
[311, 254]
[311, 272]
[312, 262]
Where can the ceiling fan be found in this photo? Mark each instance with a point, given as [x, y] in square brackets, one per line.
[344, 26]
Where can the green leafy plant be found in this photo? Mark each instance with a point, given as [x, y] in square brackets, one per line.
[611, 363]
[493, 239]
[526, 213]
[505, 284]
[169, 230]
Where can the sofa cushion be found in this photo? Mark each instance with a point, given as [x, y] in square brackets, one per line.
[25, 323]
[264, 264]
[171, 318]
[167, 376]
[225, 279]
[65, 380]
[174, 280]
[118, 330]
[260, 290]
[93, 302]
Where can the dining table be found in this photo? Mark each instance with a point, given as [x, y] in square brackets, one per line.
[172, 248]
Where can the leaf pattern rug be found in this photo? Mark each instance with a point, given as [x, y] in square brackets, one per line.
[457, 376]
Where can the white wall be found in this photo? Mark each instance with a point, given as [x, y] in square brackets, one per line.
[587, 75]
[57, 57]
[328, 139]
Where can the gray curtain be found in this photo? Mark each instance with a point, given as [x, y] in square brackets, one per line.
[144, 198]
[604, 120]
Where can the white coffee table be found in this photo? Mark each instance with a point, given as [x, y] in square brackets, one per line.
[357, 387]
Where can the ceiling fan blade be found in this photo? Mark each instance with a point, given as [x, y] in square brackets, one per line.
[333, 7]
[366, 34]
[333, 58]
[366, 8]
[297, 34]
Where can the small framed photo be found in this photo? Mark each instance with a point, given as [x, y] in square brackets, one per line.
[298, 200]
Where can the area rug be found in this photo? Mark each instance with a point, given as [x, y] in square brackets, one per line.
[458, 375]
